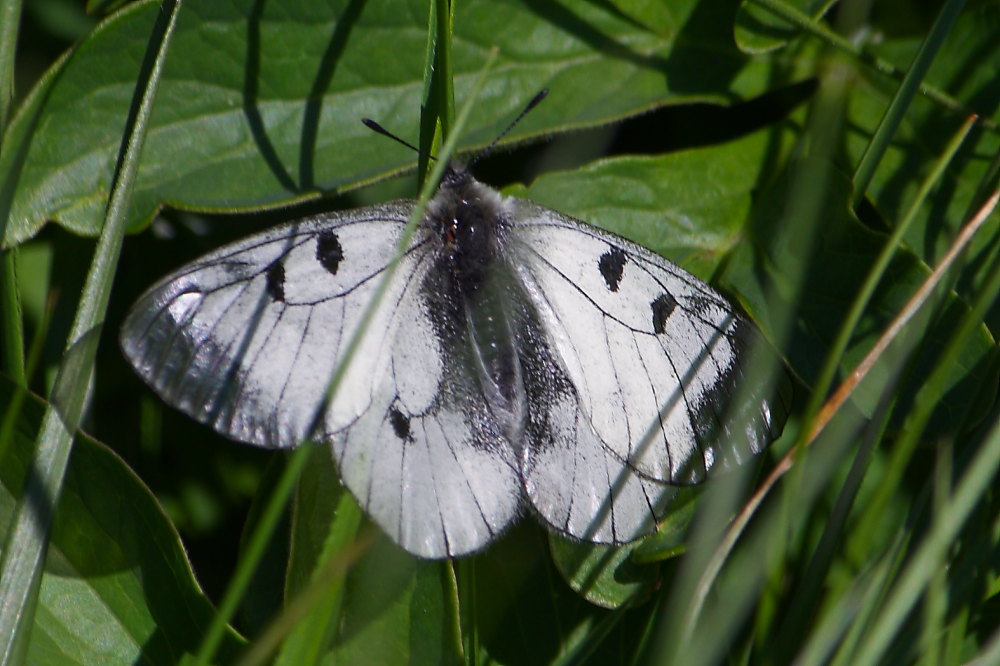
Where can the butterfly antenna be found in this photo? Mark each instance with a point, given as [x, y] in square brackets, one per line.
[372, 125]
[527, 107]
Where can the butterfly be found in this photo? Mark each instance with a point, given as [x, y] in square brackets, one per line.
[518, 358]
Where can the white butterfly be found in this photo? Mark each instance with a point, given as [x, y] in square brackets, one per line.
[518, 358]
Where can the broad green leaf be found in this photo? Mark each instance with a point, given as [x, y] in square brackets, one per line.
[759, 30]
[117, 587]
[260, 104]
[669, 539]
[603, 575]
[395, 611]
[612, 576]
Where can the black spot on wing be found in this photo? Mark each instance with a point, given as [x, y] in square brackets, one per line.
[329, 252]
[612, 264]
[276, 281]
[400, 424]
[662, 307]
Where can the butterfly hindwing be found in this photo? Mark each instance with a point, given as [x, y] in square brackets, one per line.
[572, 479]
[427, 461]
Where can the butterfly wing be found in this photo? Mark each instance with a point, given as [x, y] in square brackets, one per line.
[246, 338]
[653, 356]
[574, 481]
[428, 461]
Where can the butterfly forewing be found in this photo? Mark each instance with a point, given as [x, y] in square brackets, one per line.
[653, 353]
[246, 339]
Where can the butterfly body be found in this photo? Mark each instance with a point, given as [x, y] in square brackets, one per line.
[472, 273]
[518, 358]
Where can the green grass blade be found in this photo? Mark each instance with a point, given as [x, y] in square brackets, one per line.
[315, 609]
[817, 570]
[437, 112]
[34, 355]
[309, 622]
[10, 21]
[932, 635]
[10, 307]
[11, 317]
[901, 100]
[803, 604]
[829, 629]
[991, 654]
[932, 552]
[256, 546]
[27, 538]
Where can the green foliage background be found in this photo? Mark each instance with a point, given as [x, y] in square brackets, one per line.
[723, 135]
